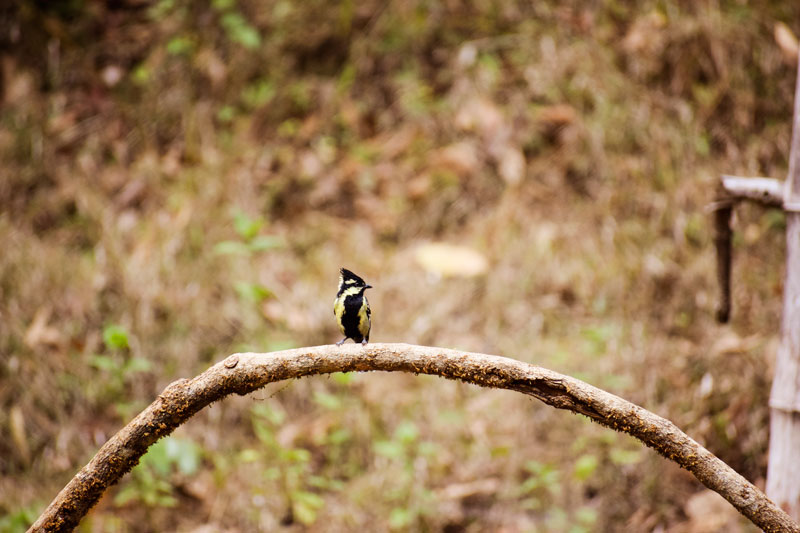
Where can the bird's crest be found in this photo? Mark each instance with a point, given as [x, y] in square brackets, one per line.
[346, 277]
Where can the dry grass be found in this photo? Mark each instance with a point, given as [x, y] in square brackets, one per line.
[355, 136]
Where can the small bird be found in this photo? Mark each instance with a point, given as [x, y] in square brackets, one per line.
[352, 308]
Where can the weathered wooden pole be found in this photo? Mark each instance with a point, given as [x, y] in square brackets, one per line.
[783, 471]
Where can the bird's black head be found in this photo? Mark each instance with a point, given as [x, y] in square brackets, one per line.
[348, 280]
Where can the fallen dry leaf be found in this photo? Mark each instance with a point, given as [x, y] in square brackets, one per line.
[787, 42]
[645, 34]
[39, 332]
[459, 491]
[394, 143]
[451, 260]
[460, 157]
[511, 165]
[16, 422]
[418, 186]
[480, 114]
[557, 115]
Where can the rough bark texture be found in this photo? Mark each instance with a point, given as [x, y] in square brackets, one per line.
[783, 481]
[247, 372]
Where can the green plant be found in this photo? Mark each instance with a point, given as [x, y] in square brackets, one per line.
[18, 521]
[409, 499]
[150, 481]
[247, 228]
[291, 465]
[116, 364]
[543, 482]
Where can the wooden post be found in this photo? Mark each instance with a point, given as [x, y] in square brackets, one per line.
[783, 472]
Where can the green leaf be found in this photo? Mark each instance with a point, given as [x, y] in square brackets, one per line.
[239, 31]
[161, 9]
[263, 432]
[252, 292]
[115, 337]
[534, 467]
[339, 436]
[625, 457]
[586, 515]
[180, 45]
[428, 448]
[346, 78]
[164, 499]
[259, 93]
[189, 462]
[343, 378]
[140, 75]
[246, 227]
[226, 113]
[542, 476]
[400, 518]
[265, 242]
[312, 499]
[185, 454]
[296, 455]
[406, 432]
[289, 127]
[158, 458]
[104, 362]
[390, 449]
[325, 483]
[136, 364]
[20, 519]
[231, 248]
[585, 466]
[500, 451]
[249, 455]
[327, 400]
[529, 485]
[305, 506]
[775, 219]
[577, 528]
[126, 494]
[274, 416]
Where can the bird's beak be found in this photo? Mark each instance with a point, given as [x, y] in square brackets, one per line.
[368, 287]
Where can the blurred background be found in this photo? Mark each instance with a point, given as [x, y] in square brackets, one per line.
[182, 180]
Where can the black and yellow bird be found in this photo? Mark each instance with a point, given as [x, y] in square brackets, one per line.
[352, 308]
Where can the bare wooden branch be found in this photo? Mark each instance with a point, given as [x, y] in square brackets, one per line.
[732, 189]
[767, 191]
[246, 372]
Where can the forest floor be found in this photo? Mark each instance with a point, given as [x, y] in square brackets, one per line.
[183, 180]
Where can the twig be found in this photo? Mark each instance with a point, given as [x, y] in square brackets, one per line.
[247, 372]
[767, 191]
[732, 189]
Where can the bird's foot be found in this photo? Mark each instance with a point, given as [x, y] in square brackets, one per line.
[364, 342]
[341, 342]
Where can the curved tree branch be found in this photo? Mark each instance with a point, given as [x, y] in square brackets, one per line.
[246, 372]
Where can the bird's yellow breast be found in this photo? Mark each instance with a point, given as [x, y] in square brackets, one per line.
[363, 318]
[338, 310]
